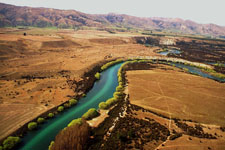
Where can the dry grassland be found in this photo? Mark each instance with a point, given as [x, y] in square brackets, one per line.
[178, 95]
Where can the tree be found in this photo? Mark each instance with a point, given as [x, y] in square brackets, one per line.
[51, 144]
[50, 115]
[102, 105]
[119, 88]
[97, 75]
[74, 137]
[60, 108]
[73, 102]
[40, 120]
[10, 142]
[75, 121]
[91, 113]
[66, 105]
[32, 125]
[111, 101]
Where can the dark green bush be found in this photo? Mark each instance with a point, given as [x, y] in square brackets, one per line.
[73, 102]
[50, 115]
[32, 125]
[91, 113]
[1, 148]
[40, 120]
[10, 142]
[60, 108]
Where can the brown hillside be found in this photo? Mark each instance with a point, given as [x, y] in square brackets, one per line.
[44, 17]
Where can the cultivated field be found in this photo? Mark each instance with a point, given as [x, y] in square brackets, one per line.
[176, 94]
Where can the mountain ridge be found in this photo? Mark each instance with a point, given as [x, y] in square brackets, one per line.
[11, 15]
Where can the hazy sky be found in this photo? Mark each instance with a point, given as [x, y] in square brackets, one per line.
[201, 11]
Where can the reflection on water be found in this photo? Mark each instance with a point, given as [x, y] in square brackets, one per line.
[172, 51]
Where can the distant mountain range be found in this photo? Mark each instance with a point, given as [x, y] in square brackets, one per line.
[44, 17]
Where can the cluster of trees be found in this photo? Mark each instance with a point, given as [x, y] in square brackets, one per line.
[109, 64]
[119, 90]
[67, 105]
[209, 70]
[73, 137]
[75, 134]
[33, 125]
[219, 65]
[106, 105]
[10, 143]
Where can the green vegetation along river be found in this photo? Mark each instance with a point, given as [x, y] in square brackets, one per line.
[102, 90]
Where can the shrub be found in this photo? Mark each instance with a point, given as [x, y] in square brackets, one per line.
[219, 75]
[32, 125]
[1, 148]
[117, 95]
[50, 115]
[102, 105]
[40, 120]
[120, 79]
[75, 121]
[10, 142]
[97, 75]
[186, 69]
[60, 108]
[219, 65]
[91, 113]
[66, 105]
[73, 102]
[110, 102]
[119, 88]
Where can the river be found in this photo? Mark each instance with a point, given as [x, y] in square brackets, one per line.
[172, 51]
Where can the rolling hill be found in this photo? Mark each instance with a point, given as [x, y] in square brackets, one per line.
[45, 17]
